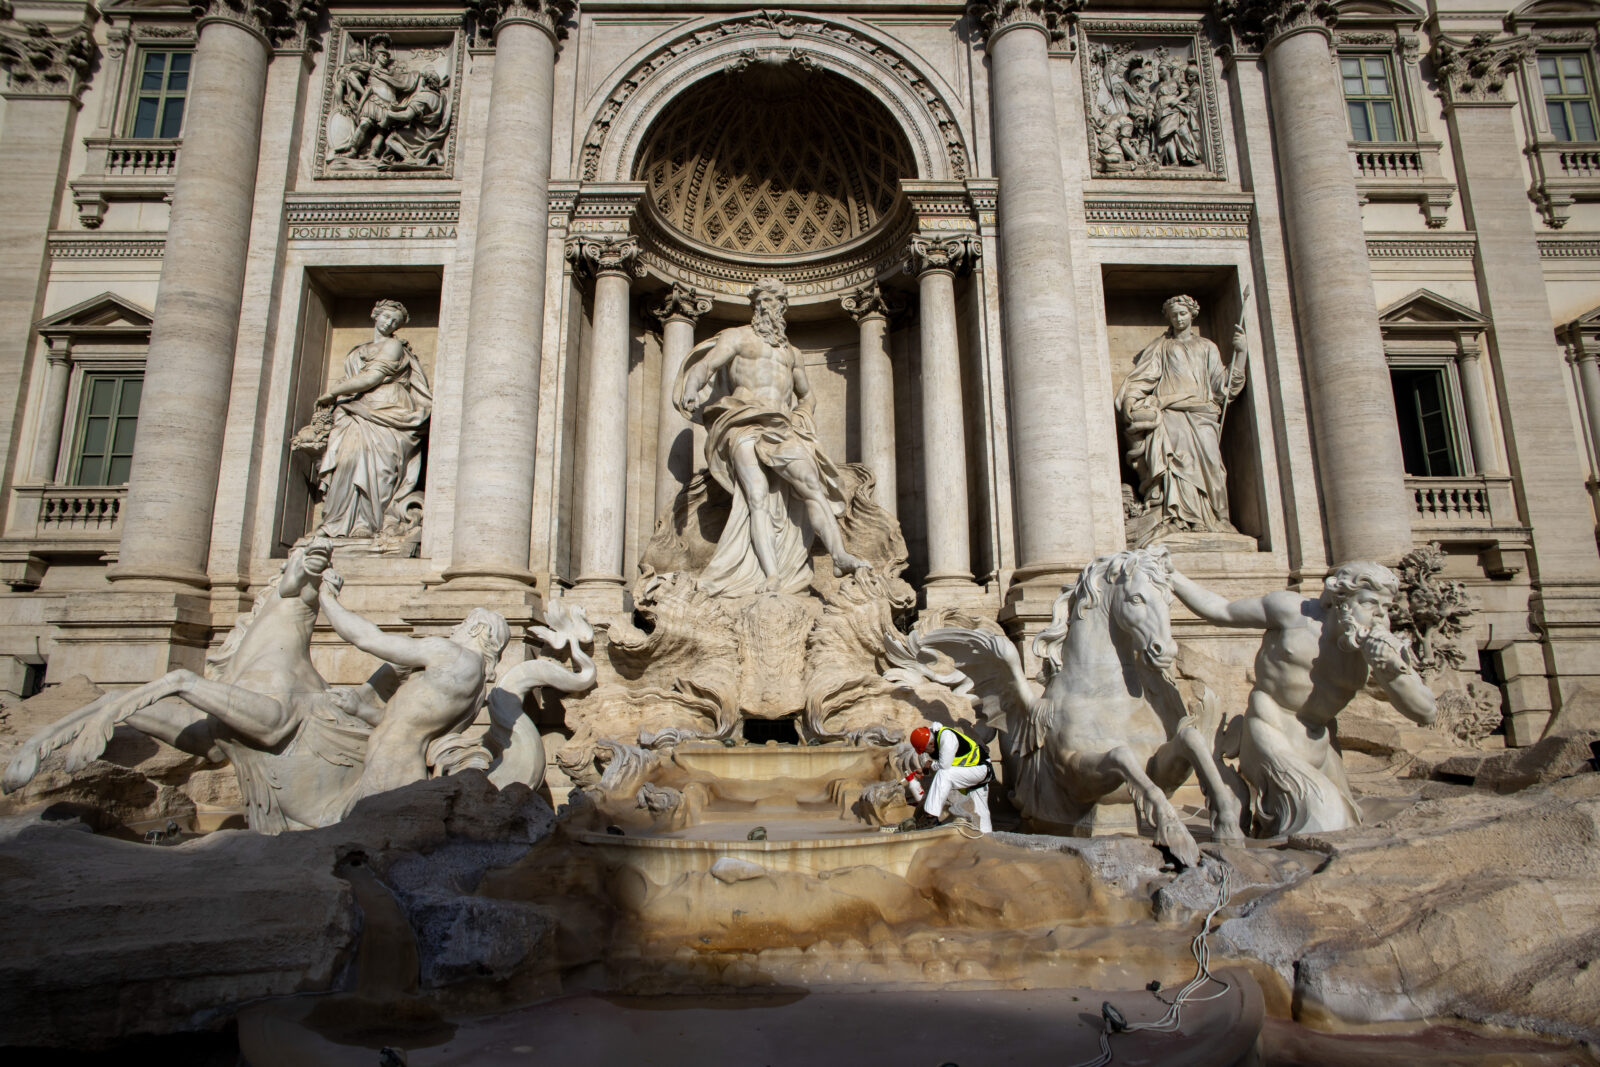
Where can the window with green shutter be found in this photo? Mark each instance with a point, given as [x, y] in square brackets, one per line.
[1369, 98]
[107, 422]
[1568, 97]
[159, 96]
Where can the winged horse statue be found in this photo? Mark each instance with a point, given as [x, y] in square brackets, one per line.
[1107, 722]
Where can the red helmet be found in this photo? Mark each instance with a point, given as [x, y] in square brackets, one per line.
[920, 738]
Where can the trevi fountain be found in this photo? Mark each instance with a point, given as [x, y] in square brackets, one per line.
[877, 533]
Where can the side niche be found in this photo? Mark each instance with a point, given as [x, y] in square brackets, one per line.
[390, 99]
[1150, 93]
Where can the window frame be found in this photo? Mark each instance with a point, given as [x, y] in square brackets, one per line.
[75, 458]
[1586, 69]
[1454, 407]
[164, 95]
[1395, 96]
[87, 363]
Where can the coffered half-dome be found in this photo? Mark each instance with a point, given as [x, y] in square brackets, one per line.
[773, 157]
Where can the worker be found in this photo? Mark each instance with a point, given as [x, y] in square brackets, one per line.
[957, 762]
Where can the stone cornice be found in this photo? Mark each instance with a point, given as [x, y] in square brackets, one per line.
[45, 62]
[937, 252]
[609, 253]
[1476, 72]
[868, 300]
[549, 15]
[108, 246]
[1258, 24]
[274, 21]
[994, 17]
[1569, 246]
[1422, 246]
[682, 302]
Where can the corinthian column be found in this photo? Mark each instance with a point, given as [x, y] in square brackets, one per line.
[934, 261]
[166, 523]
[500, 389]
[875, 390]
[1045, 370]
[675, 437]
[1359, 469]
[603, 478]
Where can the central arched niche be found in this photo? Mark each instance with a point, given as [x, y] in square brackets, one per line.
[774, 157]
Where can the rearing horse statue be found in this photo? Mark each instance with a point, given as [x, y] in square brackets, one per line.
[1110, 723]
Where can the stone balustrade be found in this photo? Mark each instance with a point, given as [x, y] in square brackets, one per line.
[1477, 502]
[67, 510]
[122, 168]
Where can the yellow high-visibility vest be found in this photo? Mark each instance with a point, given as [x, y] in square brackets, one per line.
[970, 754]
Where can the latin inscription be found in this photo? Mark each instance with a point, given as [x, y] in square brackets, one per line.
[375, 232]
[1140, 229]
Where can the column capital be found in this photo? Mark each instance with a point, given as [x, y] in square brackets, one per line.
[953, 254]
[1259, 24]
[59, 350]
[549, 15]
[274, 21]
[605, 253]
[994, 17]
[869, 300]
[682, 303]
[46, 62]
[1477, 71]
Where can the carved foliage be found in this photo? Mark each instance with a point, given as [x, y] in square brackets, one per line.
[41, 61]
[604, 253]
[550, 15]
[868, 300]
[276, 20]
[1477, 70]
[1257, 23]
[1430, 610]
[1151, 100]
[941, 253]
[1053, 16]
[682, 303]
[390, 100]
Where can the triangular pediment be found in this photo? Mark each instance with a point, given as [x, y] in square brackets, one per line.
[1425, 308]
[1394, 9]
[147, 7]
[106, 313]
[1588, 322]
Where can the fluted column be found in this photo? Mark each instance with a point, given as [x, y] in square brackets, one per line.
[676, 441]
[934, 261]
[1045, 370]
[1365, 504]
[52, 413]
[505, 324]
[603, 476]
[870, 307]
[166, 519]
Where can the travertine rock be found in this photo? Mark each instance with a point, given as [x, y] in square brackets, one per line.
[107, 939]
[1478, 906]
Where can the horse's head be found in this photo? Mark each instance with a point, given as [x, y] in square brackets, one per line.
[1139, 602]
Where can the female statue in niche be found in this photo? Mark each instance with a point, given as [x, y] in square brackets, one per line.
[375, 418]
[1172, 404]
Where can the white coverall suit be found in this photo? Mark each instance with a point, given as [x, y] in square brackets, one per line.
[947, 745]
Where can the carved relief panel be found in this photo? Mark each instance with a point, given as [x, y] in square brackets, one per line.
[389, 104]
[1151, 95]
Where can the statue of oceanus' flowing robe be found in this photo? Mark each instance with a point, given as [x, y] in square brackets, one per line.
[372, 465]
[781, 438]
[1179, 457]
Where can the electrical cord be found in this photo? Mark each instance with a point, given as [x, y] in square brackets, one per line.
[1114, 1022]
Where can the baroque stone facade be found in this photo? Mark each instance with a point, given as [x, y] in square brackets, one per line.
[976, 218]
